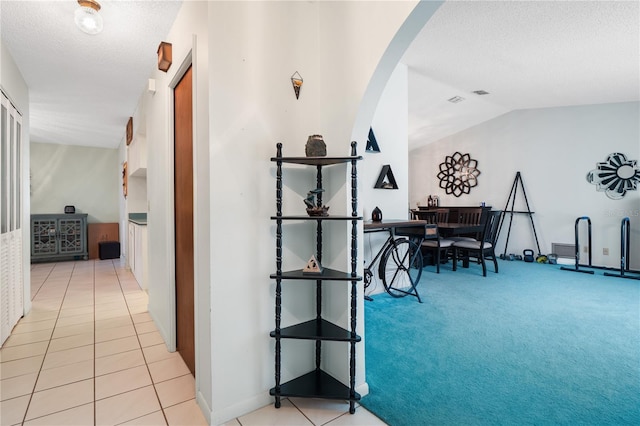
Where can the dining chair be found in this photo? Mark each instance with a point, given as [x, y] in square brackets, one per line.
[442, 215]
[428, 215]
[469, 216]
[483, 248]
[439, 248]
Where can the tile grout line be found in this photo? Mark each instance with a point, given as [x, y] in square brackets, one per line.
[301, 412]
[26, 410]
[140, 343]
[95, 414]
[44, 281]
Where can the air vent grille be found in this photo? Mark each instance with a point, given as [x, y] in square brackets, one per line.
[456, 99]
[567, 251]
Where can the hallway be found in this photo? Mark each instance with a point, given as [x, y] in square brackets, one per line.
[89, 353]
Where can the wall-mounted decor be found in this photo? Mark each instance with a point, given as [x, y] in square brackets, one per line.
[129, 130]
[296, 81]
[125, 186]
[615, 176]
[386, 179]
[372, 143]
[164, 56]
[458, 174]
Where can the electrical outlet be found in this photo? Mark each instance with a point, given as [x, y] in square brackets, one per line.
[605, 251]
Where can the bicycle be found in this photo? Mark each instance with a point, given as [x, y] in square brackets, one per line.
[399, 265]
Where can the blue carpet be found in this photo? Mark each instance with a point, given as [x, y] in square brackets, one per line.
[530, 345]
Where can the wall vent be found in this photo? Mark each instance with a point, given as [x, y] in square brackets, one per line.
[567, 251]
[456, 99]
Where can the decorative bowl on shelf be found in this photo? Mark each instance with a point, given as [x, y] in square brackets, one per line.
[318, 211]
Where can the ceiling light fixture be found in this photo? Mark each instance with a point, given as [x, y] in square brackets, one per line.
[480, 92]
[87, 17]
[456, 99]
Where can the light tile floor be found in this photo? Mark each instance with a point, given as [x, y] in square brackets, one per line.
[89, 353]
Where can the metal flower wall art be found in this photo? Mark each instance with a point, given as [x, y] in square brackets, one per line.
[615, 176]
[458, 174]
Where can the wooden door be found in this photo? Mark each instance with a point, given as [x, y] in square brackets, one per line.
[183, 188]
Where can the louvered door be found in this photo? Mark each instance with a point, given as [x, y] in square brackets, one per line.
[11, 277]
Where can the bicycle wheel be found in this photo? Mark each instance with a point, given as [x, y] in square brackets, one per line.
[401, 267]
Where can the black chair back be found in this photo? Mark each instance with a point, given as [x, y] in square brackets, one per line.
[429, 216]
[470, 216]
[491, 227]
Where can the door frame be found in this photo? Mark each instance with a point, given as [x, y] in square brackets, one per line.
[170, 230]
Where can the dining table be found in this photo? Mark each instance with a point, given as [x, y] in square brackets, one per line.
[451, 229]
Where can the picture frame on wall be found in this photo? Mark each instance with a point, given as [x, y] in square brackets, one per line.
[129, 130]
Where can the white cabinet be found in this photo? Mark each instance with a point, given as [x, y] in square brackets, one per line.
[131, 246]
[137, 253]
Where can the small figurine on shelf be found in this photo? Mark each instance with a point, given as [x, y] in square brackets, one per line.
[313, 266]
[376, 215]
[314, 207]
[315, 146]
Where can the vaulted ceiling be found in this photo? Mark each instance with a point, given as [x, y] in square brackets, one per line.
[525, 54]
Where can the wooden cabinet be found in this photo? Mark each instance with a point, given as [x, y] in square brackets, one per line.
[58, 237]
[316, 383]
[97, 232]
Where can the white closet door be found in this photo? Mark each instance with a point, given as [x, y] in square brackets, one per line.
[11, 277]
[5, 305]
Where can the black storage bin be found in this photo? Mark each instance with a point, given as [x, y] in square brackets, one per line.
[109, 250]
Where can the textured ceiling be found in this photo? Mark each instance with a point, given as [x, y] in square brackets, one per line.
[83, 88]
[527, 54]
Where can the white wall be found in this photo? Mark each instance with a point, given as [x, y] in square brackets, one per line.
[15, 87]
[244, 91]
[554, 149]
[390, 126]
[83, 177]
[337, 62]
[189, 39]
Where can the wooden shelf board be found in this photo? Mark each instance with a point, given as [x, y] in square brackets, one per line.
[316, 384]
[317, 330]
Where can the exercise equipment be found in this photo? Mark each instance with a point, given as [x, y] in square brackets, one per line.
[625, 244]
[528, 255]
[577, 242]
[625, 240]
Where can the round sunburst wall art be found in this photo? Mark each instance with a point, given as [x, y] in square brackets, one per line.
[458, 174]
[615, 176]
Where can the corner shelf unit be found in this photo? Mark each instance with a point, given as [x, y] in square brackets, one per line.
[317, 383]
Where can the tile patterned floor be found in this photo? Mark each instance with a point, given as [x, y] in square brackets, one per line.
[89, 353]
